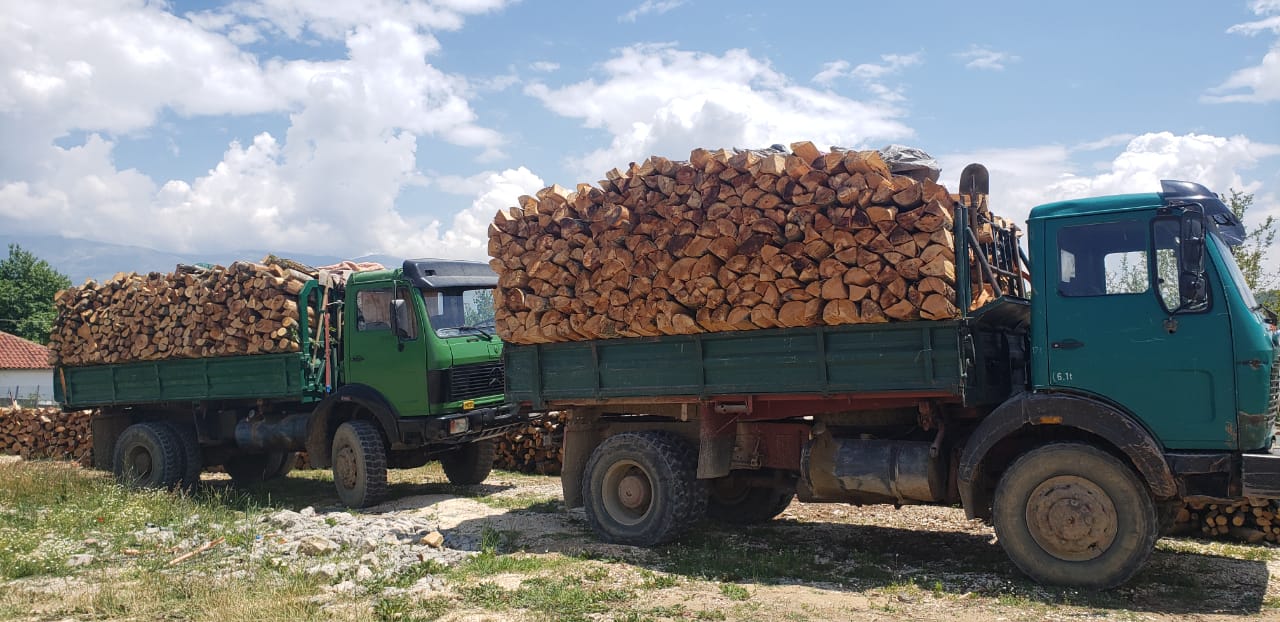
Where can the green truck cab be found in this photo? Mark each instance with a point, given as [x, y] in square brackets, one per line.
[397, 368]
[1129, 371]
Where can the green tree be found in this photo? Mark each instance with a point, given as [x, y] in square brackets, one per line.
[1252, 255]
[479, 310]
[27, 286]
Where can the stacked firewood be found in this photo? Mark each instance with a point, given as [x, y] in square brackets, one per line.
[45, 433]
[1251, 520]
[245, 308]
[535, 448]
[729, 240]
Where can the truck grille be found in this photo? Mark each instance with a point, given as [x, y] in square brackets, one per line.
[477, 380]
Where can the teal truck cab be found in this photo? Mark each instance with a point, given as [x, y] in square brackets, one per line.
[398, 367]
[1129, 370]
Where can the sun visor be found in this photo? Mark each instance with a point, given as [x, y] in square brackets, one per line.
[1215, 211]
[443, 273]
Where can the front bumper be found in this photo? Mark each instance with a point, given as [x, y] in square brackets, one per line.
[480, 423]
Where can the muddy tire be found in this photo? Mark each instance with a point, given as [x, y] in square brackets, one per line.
[469, 464]
[250, 469]
[736, 503]
[192, 456]
[359, 464]
[1073, 515]
[641, 488]
[148, 455]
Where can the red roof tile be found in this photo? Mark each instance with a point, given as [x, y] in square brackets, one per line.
[18, 353]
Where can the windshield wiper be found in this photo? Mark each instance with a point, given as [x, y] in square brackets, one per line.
[487, 336]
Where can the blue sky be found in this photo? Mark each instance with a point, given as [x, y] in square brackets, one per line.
[400, 126]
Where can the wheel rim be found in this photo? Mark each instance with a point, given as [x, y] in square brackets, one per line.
[344, 467]
[138, 464]
[627, 492]
[1072, 518]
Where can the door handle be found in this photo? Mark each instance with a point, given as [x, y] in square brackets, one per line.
[1067, 344]
[357, 358]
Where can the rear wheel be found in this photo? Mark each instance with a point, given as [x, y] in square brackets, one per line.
[470, 463]
[737, 502]
[192, 458]
[1072, 514]
[359, 464]
[248, 469]
[148, 455]
[641, 488]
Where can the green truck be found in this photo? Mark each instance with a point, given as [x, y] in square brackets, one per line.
[396, 368]
[1137, 372]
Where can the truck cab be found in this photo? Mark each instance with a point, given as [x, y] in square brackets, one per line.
[1140, 304]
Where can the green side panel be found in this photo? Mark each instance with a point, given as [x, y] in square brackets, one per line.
[905, 357]
[263, 376]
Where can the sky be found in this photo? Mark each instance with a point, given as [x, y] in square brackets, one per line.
[400, 126]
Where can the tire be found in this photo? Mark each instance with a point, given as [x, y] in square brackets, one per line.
[641, 488]
[470, 463]
[1073, 515]
[736, 503]
[192, 458]
[359, 464]
[148, 455]
[249, 469]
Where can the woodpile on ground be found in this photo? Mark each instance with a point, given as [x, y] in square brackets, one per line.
[534, 448]
[46, 433]
[729, 240]
[244, 308]
[1250, 520]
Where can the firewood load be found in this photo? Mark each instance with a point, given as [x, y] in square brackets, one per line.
[46, 433]
[534, 448]
[729, 241]
[1251, 520]
[245, 308]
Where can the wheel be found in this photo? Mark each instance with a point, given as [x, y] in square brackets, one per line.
[248, 469]
[359, 464]
[1071, 514]
[641, 488]
[736, 502]
[148, 455]
[192, 458]
[470, 463]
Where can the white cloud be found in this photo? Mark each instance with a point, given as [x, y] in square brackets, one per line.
[872, 75]
[1260, 83]
[544, 66]
[656, 7]
[1022, 178]
[983, 57]
[656, 99]
[466, 236]
[111, 67]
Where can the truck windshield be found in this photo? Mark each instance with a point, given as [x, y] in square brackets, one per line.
[1234, 270]
[460, 311]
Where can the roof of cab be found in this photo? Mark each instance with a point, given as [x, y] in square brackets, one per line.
[1097, 205]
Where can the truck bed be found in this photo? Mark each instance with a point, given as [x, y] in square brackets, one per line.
[259, 376]
[938, 359]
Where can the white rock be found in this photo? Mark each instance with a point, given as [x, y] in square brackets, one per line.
[83, 559]
[316, 545]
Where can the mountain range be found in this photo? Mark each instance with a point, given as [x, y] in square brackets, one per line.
[82, 259]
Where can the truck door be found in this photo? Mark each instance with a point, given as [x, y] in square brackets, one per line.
[383, 353]
[1113, 328]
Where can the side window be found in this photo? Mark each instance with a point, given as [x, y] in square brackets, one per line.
[1103, 259]
[373, 310]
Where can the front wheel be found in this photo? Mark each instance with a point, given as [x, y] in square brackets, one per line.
[641, 488]
[470, 463]
[359, 464]
[1071, 514]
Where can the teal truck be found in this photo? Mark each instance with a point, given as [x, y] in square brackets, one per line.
[1136, 371]
[396, 368]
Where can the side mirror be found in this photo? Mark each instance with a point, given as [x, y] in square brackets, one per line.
[400, 319]
[1191, 281]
